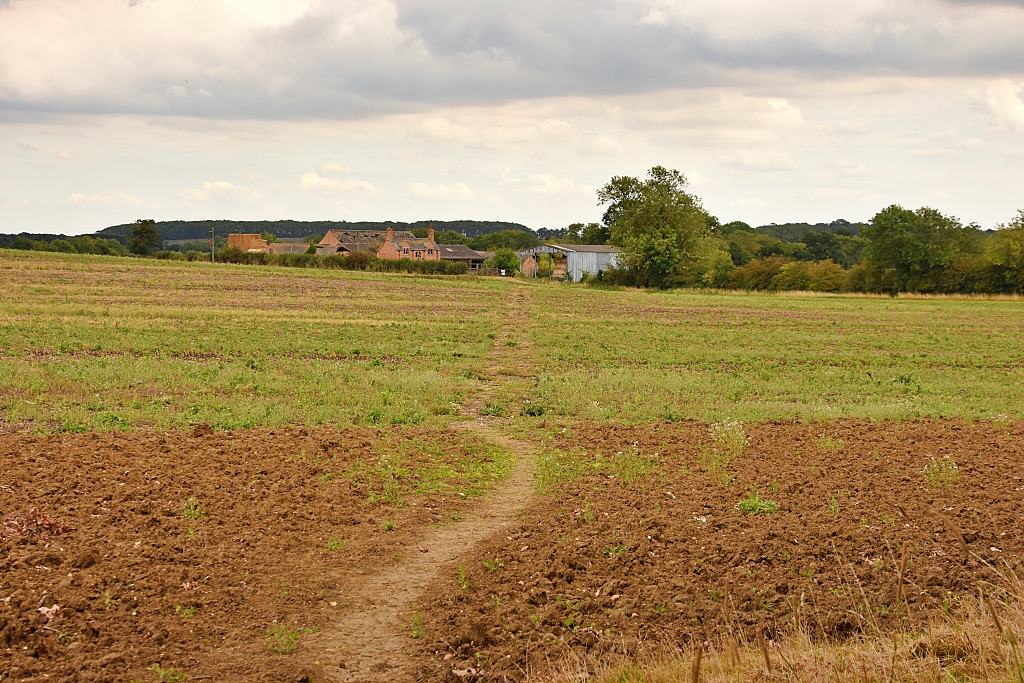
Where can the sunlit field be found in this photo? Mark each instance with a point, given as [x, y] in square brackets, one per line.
[103, 343]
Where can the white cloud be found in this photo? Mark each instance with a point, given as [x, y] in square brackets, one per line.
[89, 200]
[759, 160]
[749, 202]
[544, 184]
[601, 145]
[219, 189]
[1004, 104]
[311, 181]
[25, 147]
[453, 192]
[177, 91]
[253, 177]
[973, 143]
[66, 155]
[334, 168]
[850, 168]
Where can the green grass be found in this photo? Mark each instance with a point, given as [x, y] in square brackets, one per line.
[644, 356]
[104, 343]
[754, 504]
[411, 464]
[101, 343]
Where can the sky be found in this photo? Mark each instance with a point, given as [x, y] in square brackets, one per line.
[512, 110]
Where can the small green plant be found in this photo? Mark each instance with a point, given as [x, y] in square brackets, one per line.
[614, 551]
[190, 534]
[588, 514]
[497, 601]
[728, 442]
[168, 674]
[462, 579]
[388, 526]
[942, 472]
[829, 444]
[66, 638]
[661, 608]
[863, 523]
[535, 618]
[107, 602]
[186, 612]
[833, 506]
[191, 510]
[716, 594]
[327, 476]
[534, 409]
[494, 565]
[416, 628]
[755, 505]
[492, 410]
[282, 640]
[334, 544]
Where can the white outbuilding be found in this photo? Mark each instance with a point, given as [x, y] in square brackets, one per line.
[569, 260]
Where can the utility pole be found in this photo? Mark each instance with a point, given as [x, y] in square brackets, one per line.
[212, 245]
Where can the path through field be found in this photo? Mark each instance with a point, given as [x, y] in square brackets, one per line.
[370, 643]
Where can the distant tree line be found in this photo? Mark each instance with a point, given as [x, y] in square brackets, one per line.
[667, 239]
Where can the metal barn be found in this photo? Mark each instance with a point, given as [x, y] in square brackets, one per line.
[579, 258]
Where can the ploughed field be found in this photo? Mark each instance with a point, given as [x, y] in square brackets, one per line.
[149, 556]
[631, 547]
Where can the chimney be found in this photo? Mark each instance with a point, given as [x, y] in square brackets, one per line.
[389, 234]
[430, 233]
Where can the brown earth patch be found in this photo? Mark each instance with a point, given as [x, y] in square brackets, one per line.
[612, 562]
[127, 585]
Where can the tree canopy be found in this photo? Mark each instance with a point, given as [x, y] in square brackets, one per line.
[657, 225]
[143, 237]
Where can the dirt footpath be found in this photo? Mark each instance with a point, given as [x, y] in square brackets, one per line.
[149, 556]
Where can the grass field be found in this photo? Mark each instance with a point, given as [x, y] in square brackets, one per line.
[644, 356]
[104, 343]
[107, 343]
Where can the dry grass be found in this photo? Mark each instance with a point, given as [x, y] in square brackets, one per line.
[976, 640]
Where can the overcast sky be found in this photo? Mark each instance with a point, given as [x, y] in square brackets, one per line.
[794, 110]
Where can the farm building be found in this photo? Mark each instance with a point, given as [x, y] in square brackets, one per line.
[460, 252]
[388, 244]
[247, 242]
[568, 260]
[288, 248]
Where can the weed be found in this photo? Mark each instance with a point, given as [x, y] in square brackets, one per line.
[334, 544]
[107, 602]
[588, 514]
[282, 640]
[556, 467]
[191, 511]
[863, 523]
[728, 442]
[168, 674]
[186, 612]
[493, 410]
[614, 551]
[494, 565]
[833, 506]
[716, 594]
[190, 534]
[388, 526]
[755, 505]
[462, 580]
[416, 628]
[630, 466]
[327, 476]
[829, 444]
[66, 637]
[531, 409]
[497, 601]
[535, 618]
[942, 472]
[661, 608]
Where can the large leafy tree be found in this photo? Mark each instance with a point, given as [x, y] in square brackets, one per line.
[1006, 251]
[906, 248]
[657, 225]
[143, 237]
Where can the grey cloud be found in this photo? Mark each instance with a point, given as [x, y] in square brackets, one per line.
[465, 51]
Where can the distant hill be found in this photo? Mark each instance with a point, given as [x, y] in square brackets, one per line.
[794, 232]
[200, 230]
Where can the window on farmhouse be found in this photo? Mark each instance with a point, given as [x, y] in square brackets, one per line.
[419, 254]
[405, 251]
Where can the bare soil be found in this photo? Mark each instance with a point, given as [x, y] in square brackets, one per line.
[130, 583]
[609, 565]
